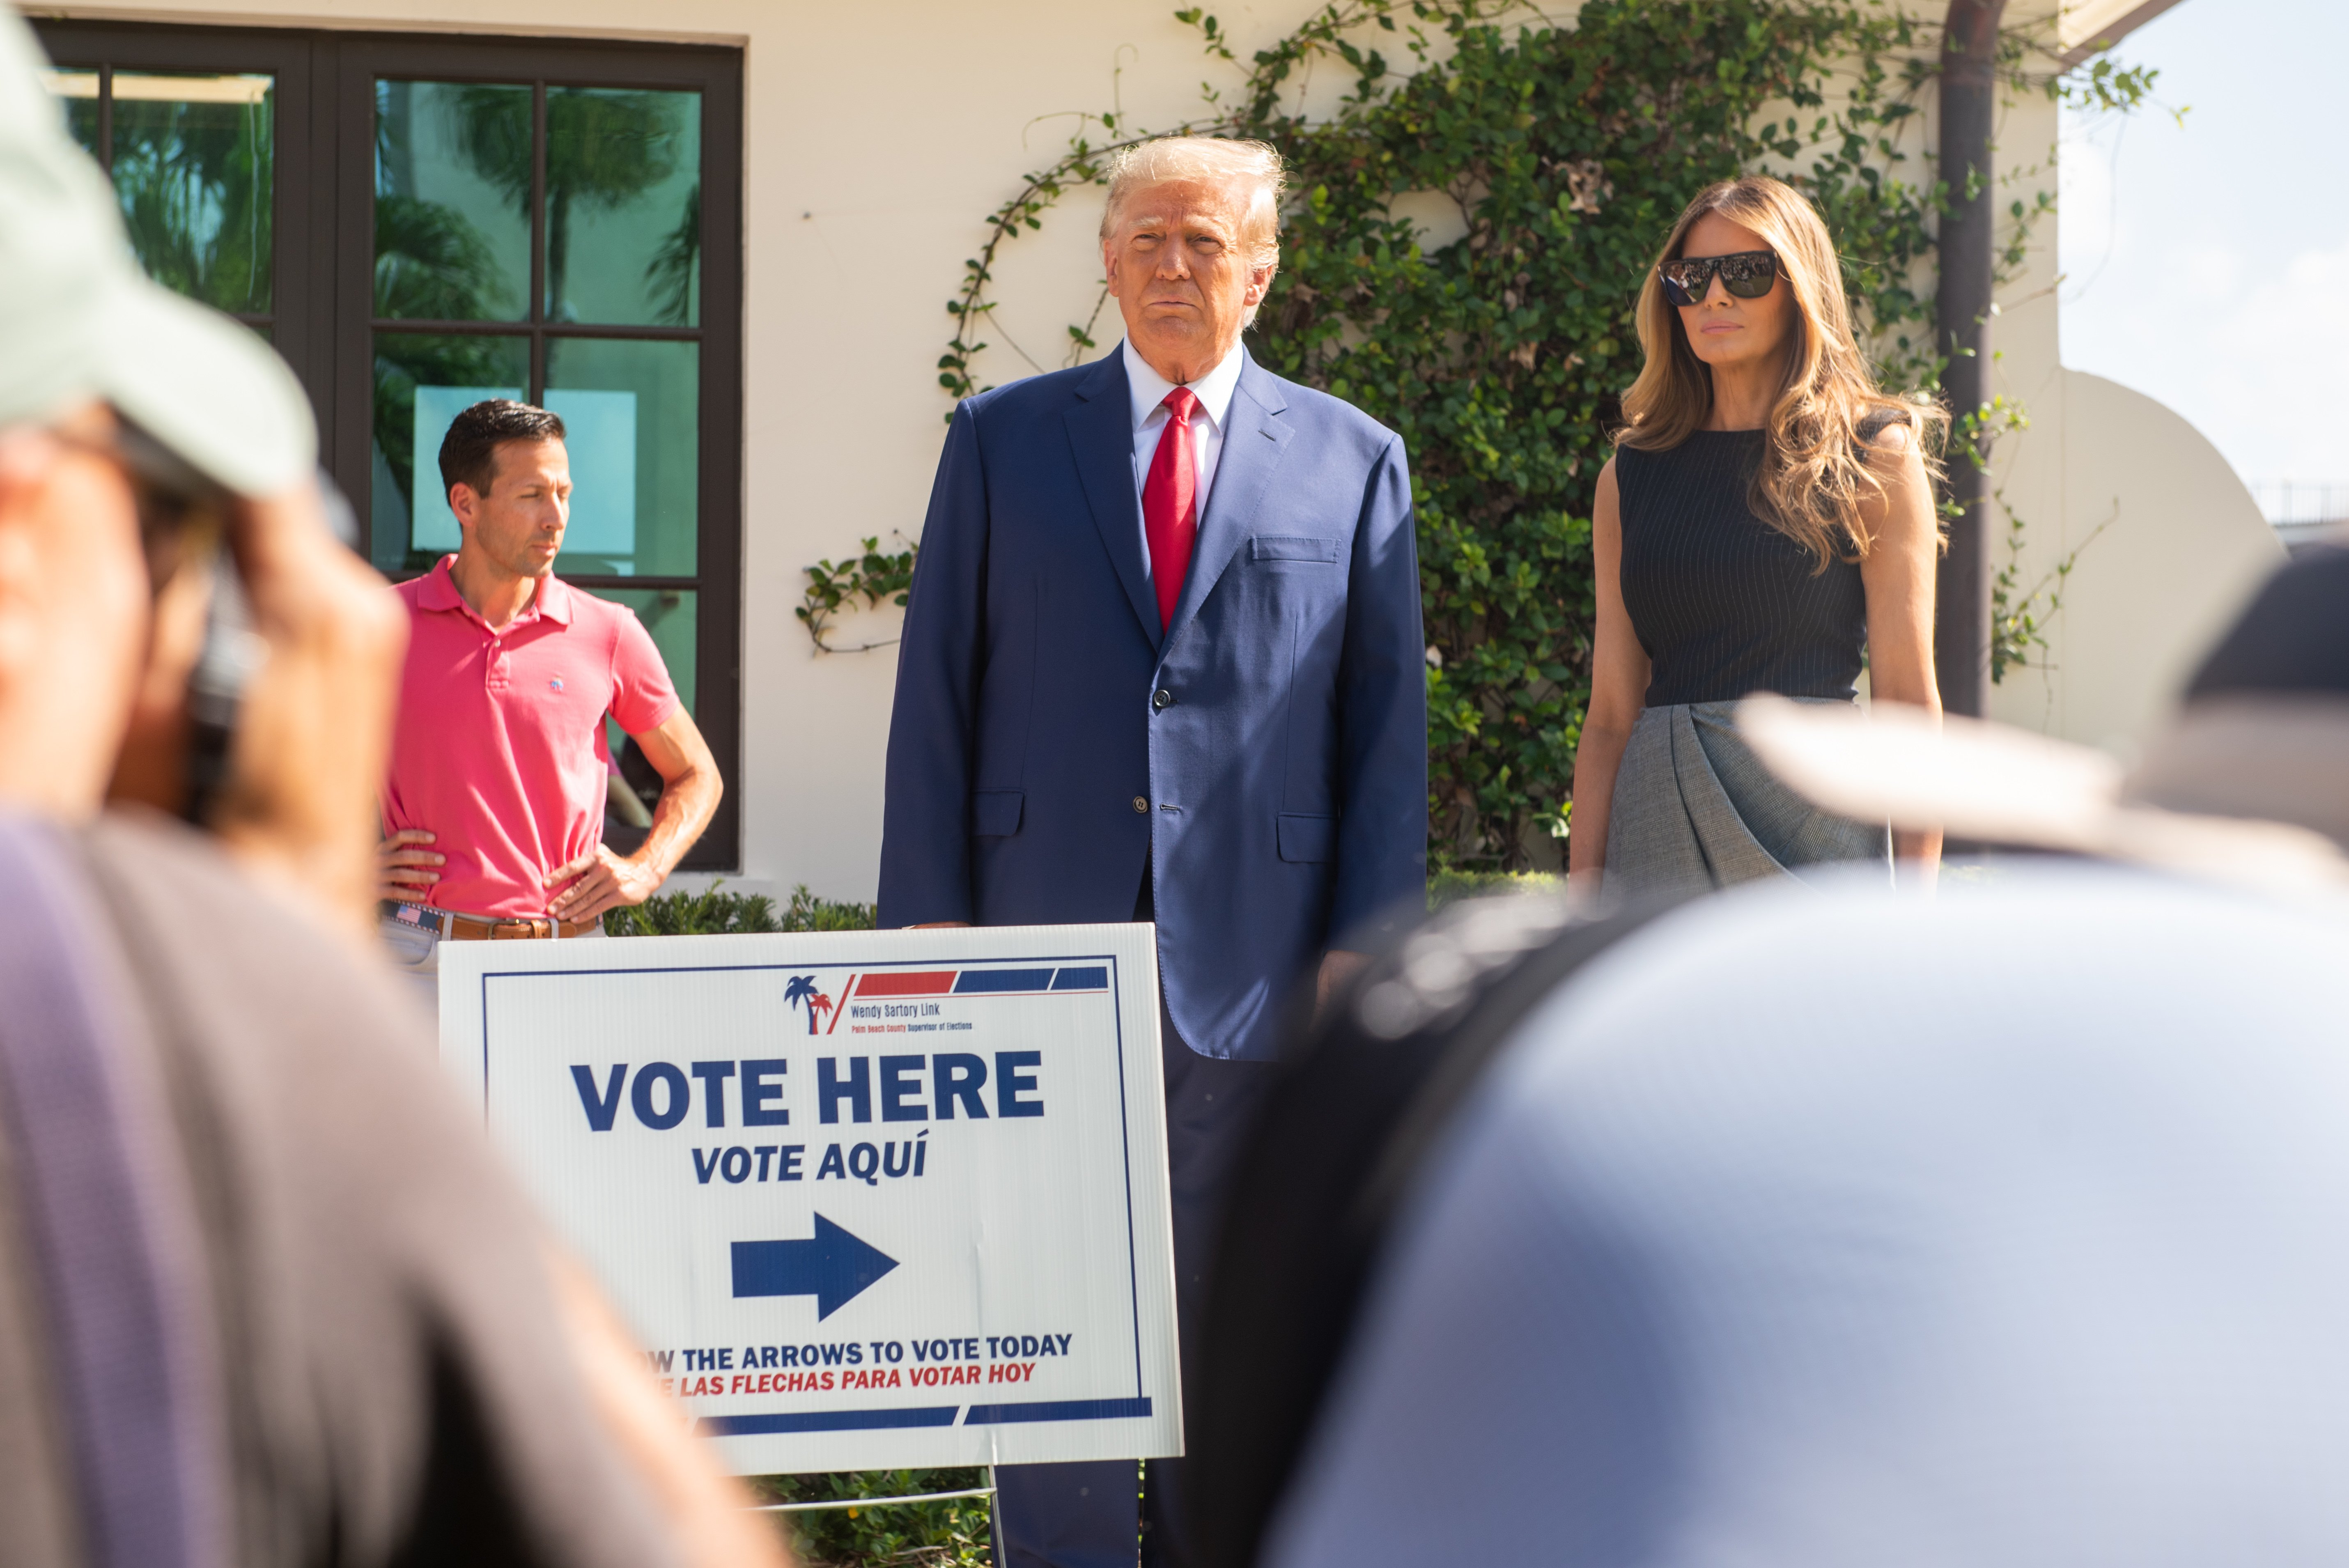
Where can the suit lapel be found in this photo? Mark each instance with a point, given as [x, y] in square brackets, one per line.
[1255, 439]
[1101, 436]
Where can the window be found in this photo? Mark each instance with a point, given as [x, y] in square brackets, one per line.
[419, 223]
[192, 127]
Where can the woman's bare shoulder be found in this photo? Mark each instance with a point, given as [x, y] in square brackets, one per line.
[1889, 426]
[1891, 443]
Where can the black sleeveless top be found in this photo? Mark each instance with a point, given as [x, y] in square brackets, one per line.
[1724, 603]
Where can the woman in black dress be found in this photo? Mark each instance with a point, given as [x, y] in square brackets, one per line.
[1766, 524]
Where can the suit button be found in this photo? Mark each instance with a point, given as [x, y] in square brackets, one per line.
[1161, 700]
[1141, 805]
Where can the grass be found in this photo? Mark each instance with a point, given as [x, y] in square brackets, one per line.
[1450, 887]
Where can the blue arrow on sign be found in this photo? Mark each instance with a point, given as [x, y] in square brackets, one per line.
[835, 1267]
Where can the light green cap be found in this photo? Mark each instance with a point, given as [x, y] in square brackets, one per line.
[78, 320]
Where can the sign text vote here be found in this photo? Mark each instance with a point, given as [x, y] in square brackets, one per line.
[872, 1199]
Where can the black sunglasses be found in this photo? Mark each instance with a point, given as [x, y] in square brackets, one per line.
[1747, 274]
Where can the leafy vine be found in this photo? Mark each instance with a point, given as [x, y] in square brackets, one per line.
[834, 586]
[2019, 616]
[1568, 150]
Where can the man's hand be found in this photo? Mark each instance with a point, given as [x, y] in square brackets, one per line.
[1337, 966]
[690, 794]
[403, 873]
[605, 881]
[314, 731]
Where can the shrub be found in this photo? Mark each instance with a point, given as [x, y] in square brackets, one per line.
[716, 912]
[950, 1534]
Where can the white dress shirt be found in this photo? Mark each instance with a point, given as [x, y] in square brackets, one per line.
[1149, 388]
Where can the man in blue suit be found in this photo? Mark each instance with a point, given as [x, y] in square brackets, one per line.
[1162, 660]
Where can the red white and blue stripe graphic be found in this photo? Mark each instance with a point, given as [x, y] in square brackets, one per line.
[901, 985]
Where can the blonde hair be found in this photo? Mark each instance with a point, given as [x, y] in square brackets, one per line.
[1205, 161]
[1815, 471]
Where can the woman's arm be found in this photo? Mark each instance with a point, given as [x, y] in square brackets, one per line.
[1619, 689]
[1899, 577]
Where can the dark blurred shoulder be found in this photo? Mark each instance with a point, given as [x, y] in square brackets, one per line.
[183, 898]
[2293, 637]
[377, 1273]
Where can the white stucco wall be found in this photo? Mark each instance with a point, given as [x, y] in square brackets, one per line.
[2185, 543]
[2183, 547]
[876, 140]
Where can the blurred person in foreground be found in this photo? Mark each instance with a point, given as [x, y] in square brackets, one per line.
[265, 1297]
[494, 804]
[1712, 1266]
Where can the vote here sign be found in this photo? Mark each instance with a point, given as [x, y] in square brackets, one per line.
[872, 1199]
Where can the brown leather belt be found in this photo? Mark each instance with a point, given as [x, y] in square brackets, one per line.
[454, 927]
[465, 928]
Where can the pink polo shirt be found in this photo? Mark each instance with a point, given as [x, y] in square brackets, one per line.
[499, 750]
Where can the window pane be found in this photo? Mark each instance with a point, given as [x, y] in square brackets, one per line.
[670, 614]
[451, 201]
[623, 206]
[79, 89]
[633, 412]
[421, 383]
[193, 169]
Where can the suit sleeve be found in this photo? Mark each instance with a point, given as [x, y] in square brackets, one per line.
[1381, 718]
[926, 822]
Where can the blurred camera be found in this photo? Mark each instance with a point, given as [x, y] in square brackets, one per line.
[183, 524]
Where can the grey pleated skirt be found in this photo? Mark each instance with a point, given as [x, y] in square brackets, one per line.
[1695, 810]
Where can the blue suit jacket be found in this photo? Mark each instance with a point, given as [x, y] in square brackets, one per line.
[1265, 756]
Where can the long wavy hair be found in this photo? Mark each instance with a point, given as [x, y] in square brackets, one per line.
[1815, 472]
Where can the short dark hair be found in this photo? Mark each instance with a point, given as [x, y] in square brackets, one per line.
[469, 453]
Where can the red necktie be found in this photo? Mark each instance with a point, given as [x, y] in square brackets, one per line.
[1170, 519]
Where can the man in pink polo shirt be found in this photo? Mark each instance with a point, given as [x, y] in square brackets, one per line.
[494, 812]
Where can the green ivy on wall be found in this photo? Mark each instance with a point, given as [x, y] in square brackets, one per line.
[836, 585]
[1567, 151]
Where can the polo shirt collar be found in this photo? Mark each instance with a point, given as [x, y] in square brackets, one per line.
[438, 591]
[553, 599]
[1213, 389]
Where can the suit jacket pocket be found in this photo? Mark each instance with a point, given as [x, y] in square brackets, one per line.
[995, 813]
[1304, 837]
[1295, 547]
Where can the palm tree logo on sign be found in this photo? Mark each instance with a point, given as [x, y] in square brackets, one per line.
[803, 989]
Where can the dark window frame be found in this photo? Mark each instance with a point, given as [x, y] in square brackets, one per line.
[300, 322]
[322, 265]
